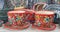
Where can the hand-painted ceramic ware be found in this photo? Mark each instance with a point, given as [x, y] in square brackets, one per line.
[15, 16]
[30, 16]
[44, 17]
[39, 6]
[17, 19]
[43, 20]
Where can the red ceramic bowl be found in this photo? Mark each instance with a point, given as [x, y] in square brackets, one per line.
[17, 18]
[44, 19]
[44, 16]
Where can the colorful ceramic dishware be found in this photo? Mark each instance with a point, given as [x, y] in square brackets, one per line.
[16, 20]
[15, 16]
[30, 15]
[44, 20]
[39, 6]
[44, 16]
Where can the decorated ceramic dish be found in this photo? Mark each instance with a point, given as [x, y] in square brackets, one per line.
[16, 20]
[44, 19]
[44, 16]
[30, 15]
[39, 6]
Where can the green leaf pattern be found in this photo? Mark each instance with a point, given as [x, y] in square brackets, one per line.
[38, 23]
[18, 18]
[11, 20]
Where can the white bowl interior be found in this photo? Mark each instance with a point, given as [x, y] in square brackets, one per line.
[44, 12]
[16, 12]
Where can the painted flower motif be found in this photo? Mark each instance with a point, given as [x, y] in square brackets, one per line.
[46, 19]
[10, 20]
[37, 16]
[18, 18]
[41, 17]
[39, 24]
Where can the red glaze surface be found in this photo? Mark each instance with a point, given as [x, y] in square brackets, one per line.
[43, 20]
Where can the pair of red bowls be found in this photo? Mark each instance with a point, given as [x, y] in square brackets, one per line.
[18, 18]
